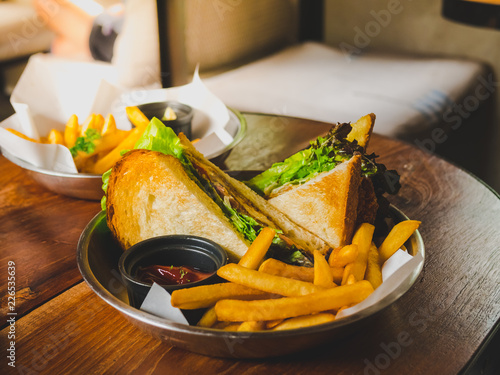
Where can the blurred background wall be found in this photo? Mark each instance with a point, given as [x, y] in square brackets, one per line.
[413, 27]
[417, 27]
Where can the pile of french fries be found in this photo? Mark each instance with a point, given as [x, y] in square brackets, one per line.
[107, 140]
[263, 295]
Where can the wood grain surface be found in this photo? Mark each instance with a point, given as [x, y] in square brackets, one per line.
[39, 231]
[437, 327]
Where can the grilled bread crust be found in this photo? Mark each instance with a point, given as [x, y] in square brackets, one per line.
[150, 194]
[326, 205]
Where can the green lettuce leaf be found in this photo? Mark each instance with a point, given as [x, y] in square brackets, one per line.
[161, 138]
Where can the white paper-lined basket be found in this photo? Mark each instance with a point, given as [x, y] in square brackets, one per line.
[51, 89]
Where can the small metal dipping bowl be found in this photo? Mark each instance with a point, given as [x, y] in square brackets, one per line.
[183, 112]
[173, 250]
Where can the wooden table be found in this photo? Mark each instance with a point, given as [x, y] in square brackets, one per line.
[441, 326]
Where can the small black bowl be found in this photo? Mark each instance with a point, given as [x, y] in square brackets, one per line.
[173, 250]
[183, 112]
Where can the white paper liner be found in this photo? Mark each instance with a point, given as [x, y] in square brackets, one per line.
[51, 89]
[157, 302]
[396, 272]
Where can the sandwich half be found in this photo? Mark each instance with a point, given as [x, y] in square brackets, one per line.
[166, 186]
[327, 204]
[150, 194]
[332, 186]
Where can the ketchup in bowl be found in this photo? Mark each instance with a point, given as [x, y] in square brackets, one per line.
[171, 275]
[171, 261]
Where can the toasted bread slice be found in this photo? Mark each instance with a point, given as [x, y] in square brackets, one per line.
[150, 194]
[327, 204]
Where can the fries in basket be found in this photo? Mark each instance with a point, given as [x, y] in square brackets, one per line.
[264, 295]
[97, 143]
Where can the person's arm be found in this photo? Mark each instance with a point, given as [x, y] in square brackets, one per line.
[105, 29]
[82, 32]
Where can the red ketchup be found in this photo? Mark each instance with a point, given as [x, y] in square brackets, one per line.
[170, 275]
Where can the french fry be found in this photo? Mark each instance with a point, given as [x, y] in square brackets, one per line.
[363, 239]
[110, 141]
[373, 270]
[99, 122]
[232, 327]
[337, 273]
[305, 321]
[103, 145]
[279, 268]
[266, 282]
[344, 255]
[345, 274]
[271, 323]
[102, 165]
[322, 271]
[258, 249]
[94, 121]
[333, 253]
[109, 125]
[19, 134]
[207, 295]
[252, 326]
[208, 319]
[350, 279]
[71, 131]
[56, 137]
[89, 123]
[288, 307]
[397, 237]
[362, 130]
[136, 117]
[276, 267]
[224, 325]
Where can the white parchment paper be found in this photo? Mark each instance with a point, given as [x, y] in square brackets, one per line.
[157, 302]
[396, 273]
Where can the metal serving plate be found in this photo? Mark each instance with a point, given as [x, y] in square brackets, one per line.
[89, 186]
[97, 258]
